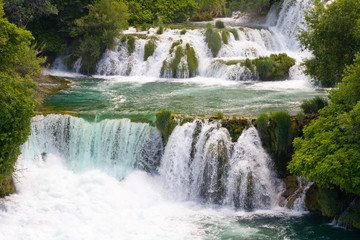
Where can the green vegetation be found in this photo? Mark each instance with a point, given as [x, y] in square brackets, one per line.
[277, 132]
[165, 123]
[98, 29]
[312, 106]
[149, 49]
[131, 44]
[225, 36]
[251, 5]
[174, 64]
[333, 36]
[192, 60]
[220, 115]
[219, 24]
[274, 67]
[235, 33]
[213, 39]
[18, 64]
[175, 44]
[329, 152]
[200, 17]
[183, 32]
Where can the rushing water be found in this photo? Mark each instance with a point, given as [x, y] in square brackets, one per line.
[114, 179]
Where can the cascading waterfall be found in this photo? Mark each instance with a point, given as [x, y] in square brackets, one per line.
[201, 163]
[276, 35]
[115, 146]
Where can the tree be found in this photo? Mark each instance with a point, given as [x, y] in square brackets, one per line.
[329, 152]
[331, 34]
[18, 63]
[21, 12]
[98, 30]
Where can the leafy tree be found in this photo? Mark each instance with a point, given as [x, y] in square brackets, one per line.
[18, 63]
[329, 153]
[21, 12]
[331, 34]
[98, 30]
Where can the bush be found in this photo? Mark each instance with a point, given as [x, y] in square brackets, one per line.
[149, 49]
[131, 44]
[282, 131]
[235, 33]
[274, 67]
[219, 24]
[192, 60]
[213, 40]
[175, 44]
[161, 26]
[174, 64]
[220, 115]
[225, 36]
[165, 123]
[183, 32]
[200, 17]
[312, 106]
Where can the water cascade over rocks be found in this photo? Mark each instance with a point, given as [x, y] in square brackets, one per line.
[199, 163]
[245, 40]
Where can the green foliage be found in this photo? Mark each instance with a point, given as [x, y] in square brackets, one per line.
[235, 33]
[213, 40]
[225, 36]
[131, 44]
[18, 63]
[98, 30]
[282, 131]
[165, 123]
[175, 44]
[329, 153]
[161, 26]
[183, 32]
[312, 106]
[215, 8]
[332, 37]
[219, 24]
[262, 124]
[200, 17]
[274, 67]
[149, 49]
[192, 60]
[21, 12]
[220, 115]
[147, 11]
[174, 64]
[250, 5]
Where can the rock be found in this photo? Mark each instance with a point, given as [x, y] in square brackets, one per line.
[351, 216]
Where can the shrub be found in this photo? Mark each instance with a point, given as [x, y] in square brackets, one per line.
[220, 115]
[225, 36]
[165, 123]
[149, 49]
[282, 131]
[219, 24]
[192, 60]
[262, 124]
[201, 17]
[183, 32]
[131, 44]
[213, 40]
[175, 44]
[161, 26]
[174, 64]
[274, 67]
[235, 33]
[312, 106]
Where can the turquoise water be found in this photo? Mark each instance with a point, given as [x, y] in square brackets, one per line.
[136, 97]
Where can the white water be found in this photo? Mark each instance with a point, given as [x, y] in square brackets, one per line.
[115, 146]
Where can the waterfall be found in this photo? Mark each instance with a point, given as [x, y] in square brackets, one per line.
[201, 163]
[115, 146]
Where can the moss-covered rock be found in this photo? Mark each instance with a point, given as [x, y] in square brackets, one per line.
[225, 36]
[351, 216]
[149, 49]
[165, 123]
[192, 61]
[6, 187]
[235, 33]
[131, 40]
[327, 202]
[235, 126]
[213, 40]
[275, 67]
